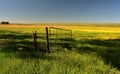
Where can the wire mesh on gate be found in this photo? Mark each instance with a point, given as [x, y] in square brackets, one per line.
[59, 38]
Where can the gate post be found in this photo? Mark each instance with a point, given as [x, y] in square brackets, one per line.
[35, 41]
[47, 40]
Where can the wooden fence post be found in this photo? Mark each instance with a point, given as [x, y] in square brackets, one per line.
[47, 40]
[35, 41]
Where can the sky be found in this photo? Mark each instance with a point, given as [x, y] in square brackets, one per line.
[65, 11]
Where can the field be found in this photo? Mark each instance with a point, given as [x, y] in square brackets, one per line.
[95, 49]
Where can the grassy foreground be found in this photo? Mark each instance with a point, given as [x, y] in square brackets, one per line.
[95, 50]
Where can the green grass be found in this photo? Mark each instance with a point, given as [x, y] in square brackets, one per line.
[91, 53]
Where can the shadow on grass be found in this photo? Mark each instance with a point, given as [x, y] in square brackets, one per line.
[14, 40]
[109, 49]
[27, 55]
[20, 44]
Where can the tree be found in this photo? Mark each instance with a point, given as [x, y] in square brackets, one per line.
[6, 22]
[3, 22]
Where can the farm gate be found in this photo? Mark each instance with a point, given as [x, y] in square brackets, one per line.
[53, 39]
[59, 38]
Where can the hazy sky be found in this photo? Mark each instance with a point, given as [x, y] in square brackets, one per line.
[35, 11]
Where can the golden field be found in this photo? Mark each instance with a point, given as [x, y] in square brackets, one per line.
[82, 27]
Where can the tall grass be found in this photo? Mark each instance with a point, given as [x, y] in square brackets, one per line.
[66, 62]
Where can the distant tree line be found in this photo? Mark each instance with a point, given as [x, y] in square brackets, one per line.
[4, 22]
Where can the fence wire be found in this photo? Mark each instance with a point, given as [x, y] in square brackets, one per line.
[59, 38]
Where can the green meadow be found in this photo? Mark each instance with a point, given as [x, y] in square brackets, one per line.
[94, 50]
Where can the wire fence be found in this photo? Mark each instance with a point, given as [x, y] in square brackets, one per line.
[59, 38]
